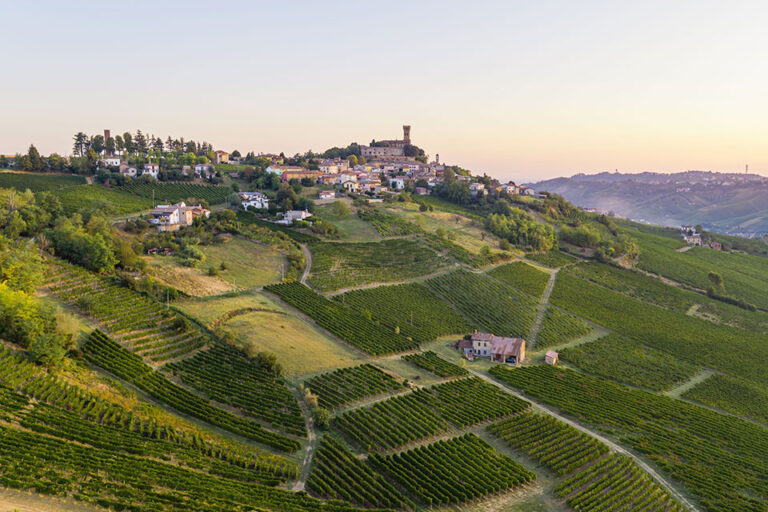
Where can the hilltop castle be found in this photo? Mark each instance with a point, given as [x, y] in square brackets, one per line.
[388, 149]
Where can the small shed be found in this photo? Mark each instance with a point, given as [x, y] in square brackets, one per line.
[551, 357]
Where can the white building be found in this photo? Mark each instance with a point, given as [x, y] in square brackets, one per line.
[327, 194]
[110, 161]
[294, 215]
[255, 200]
[151, 169]
[398, 182]
[128, 170]
[204, 170]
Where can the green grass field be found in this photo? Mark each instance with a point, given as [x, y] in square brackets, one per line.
[522, 276]
[301, 347]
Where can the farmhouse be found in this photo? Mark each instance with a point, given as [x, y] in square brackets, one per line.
[327, 194]
[498, 348]
[694, 240]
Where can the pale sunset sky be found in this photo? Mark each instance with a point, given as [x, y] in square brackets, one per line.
[517, 89]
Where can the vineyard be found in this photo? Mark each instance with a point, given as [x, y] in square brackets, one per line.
[120, 481]
[720, 458]
[622, 359]
[337, 474]
[522, 276]
[412, 308]
[347, 385]
[454, 471]
[107, 354]
[744, 275]
[552, 259]
[387, 224]
[228, 376]
[733, 395]
[616, 484]
[435, 364]
[140, 323]
[489, 304]
[345, 323]
[392, 423]
[74, 444]
[38, 182]
[339, 265]
[684, 337]
[427, 412]
[559, 327]
[558, 446]
[175, 192]
[97, 197]
[78, 413]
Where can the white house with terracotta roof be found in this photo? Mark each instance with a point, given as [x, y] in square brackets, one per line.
[255, 200]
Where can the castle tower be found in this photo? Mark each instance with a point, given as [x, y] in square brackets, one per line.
[437, 158]
[407, 133]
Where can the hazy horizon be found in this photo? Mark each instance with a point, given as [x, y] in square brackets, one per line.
[516, 90]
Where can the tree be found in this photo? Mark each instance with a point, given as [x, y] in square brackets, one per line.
[718, 286]
[48, 349]
[140, 143]
[36, 162]
[79, 146]
[98, 144]
[128, 142]
[235, 154]
[111, 145]
[352, 159]
[322, 418]
[340, 209]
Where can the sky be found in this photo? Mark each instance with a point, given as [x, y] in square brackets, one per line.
[516, 89]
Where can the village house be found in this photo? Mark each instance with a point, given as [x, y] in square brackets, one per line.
[328, 167]
[551, 357]
[255, 200]
[280, 169]
[170, 217]
[350, 186]
[716, 246]
[186, 170]
[204, 170]
[109, 161]
[151, 169]
[128, 170]
[422, 191]
[477, 189]
[326, 194]
[300, 174]
[222, 157]
[398, 182]
[293, 215]
[694, 240]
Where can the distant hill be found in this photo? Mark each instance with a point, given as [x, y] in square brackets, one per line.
[735, 204]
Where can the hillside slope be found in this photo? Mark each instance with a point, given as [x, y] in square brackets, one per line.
[724, 203]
